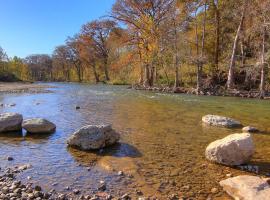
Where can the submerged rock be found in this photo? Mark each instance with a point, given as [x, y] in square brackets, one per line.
[216, 120]
[250, 129]
[235, 149]
[38, 125]
[93, 137]
[247, 187]
[10, 122]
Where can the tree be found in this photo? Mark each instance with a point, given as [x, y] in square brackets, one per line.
[89, 55]
[61, 63]
[99, 32]
[40, 66]
[144, 20]
[230, 82]
[73, 55]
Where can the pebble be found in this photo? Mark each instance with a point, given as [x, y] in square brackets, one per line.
[214, 190]
[37, 188]
[125, 197]
[77, 107]
[120, 173]
[9, 158]
[75, 191]
[186, 187]
[102, 186]
[55, 184]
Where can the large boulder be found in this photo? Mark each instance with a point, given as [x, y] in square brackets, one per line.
[38, 125]
[216, 120]
[10, 122]
[235, 149]
[93, 137]
[247, 187]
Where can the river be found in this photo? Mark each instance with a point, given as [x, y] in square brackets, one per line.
[162, 145]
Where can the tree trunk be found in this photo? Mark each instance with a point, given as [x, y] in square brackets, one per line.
[78, 68]
[217, 24]
[147, 75]
[200, 61]
[141, 80]
[243, 55]
[176, 78]
[106, 72]
[230, 81]
[95, 72]
[176, 58]
[262, 84]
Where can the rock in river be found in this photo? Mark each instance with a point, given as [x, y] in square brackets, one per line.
[10, 122]
[38, 125]
[247, 187]
[250, 129]
[93, 137]
[216, 120]
[235, 149]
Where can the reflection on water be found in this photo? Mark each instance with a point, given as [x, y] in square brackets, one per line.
[162, 145]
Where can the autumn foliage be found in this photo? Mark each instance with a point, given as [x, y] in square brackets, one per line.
[205, 44]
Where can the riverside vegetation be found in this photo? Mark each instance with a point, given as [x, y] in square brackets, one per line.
[204, 47]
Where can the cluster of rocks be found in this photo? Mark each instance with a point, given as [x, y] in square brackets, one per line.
[90, 137]
[163, 89]
[217, 91]
[11, 122]
[12, 189]
[93, 137]
[7, 105]
[236, 150]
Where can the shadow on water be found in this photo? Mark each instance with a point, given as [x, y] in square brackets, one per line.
[122, 150]
[119, 150]
[259, 167]
[20, 136]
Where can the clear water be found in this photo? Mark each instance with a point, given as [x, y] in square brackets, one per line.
[162, 140]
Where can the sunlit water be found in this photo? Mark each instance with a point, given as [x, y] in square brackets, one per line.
[162, 140]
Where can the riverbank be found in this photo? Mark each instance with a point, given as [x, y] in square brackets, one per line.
[219, 92]
[23, 87]
[13, 189]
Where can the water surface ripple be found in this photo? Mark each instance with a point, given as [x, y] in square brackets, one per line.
[162, 145]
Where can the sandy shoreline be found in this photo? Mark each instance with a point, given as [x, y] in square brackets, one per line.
[21, 87]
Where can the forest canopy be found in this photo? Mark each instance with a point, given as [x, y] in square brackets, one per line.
[208, 45]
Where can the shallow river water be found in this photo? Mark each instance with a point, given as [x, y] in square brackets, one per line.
[162, 145]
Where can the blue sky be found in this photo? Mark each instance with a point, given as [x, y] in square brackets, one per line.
[37, 26]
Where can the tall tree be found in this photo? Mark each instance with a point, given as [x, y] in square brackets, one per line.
[230, 82]
[99, 31]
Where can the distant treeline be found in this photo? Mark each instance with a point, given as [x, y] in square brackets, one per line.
[205, 44]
